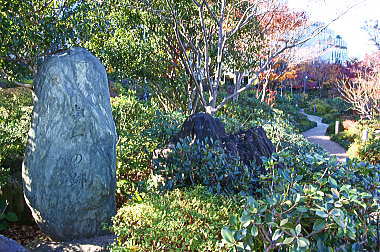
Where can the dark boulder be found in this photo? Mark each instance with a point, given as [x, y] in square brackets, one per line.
[250, 145]
[202, 125]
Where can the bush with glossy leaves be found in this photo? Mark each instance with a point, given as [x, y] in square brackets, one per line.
[309, 203]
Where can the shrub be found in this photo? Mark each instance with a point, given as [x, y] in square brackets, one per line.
[339, 105]
[302, 209]
[284, 137]
[321, 107]
[288, 105]
[300, 99]
[141, 128]
[331, 118]
[331, 128]
[15, 114]
[132, 117]
[6, 216]
[303, 124]
[181, 220]
[370, 151]
[366, 151]
[203, 163]
[246, 110]
[249, 112]
[343, 138]
[327, 106]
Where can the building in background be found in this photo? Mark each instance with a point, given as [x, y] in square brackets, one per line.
[327, 47]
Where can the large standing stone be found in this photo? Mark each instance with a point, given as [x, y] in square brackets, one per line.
[69, 168]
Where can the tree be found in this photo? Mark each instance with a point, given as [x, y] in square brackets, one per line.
[34, 29]
[362, 90]
[372, 27]
[138, 47]
[205, 40]
[280, 26]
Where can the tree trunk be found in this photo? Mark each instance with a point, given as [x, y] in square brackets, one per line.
[238, 79]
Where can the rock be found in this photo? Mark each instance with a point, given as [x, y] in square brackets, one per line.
[202, 125]
[250, 145]
[69, 170]
[7, 245]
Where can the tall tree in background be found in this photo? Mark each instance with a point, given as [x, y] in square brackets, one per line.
[361, 88]
[33, 29]
[139, 48]
[281, 27]
[206, 39]
[372, 27]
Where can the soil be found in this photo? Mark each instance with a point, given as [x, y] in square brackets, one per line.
[32, 238]
[28, 236]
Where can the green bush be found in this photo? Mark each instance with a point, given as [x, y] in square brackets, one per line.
[203, 163]
[132, 117]
[15, 114]
[300, 100]
[141, 128]
[331, 118]
[365, 151]
[303, 207]
[343, 138]
[339, 105]
[303, 124]
[321, 107]
[370, 151]
[180, 220]
[247, 110]
[331, 128]
[288, 105]
[284, 136]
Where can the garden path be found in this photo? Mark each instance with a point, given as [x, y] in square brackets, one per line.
[318, 136]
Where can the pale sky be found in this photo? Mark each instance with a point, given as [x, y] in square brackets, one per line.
[348, 26]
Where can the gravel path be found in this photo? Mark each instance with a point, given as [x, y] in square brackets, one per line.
[318, 136]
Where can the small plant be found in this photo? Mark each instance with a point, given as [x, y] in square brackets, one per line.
[6, 216]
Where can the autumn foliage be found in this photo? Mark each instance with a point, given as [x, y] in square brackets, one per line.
[362, 91]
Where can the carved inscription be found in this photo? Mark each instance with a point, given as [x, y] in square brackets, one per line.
[76, 159]
[80, 123]
[79, 179]
[77, 112]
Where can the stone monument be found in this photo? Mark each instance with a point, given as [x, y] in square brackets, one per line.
[69, 170]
